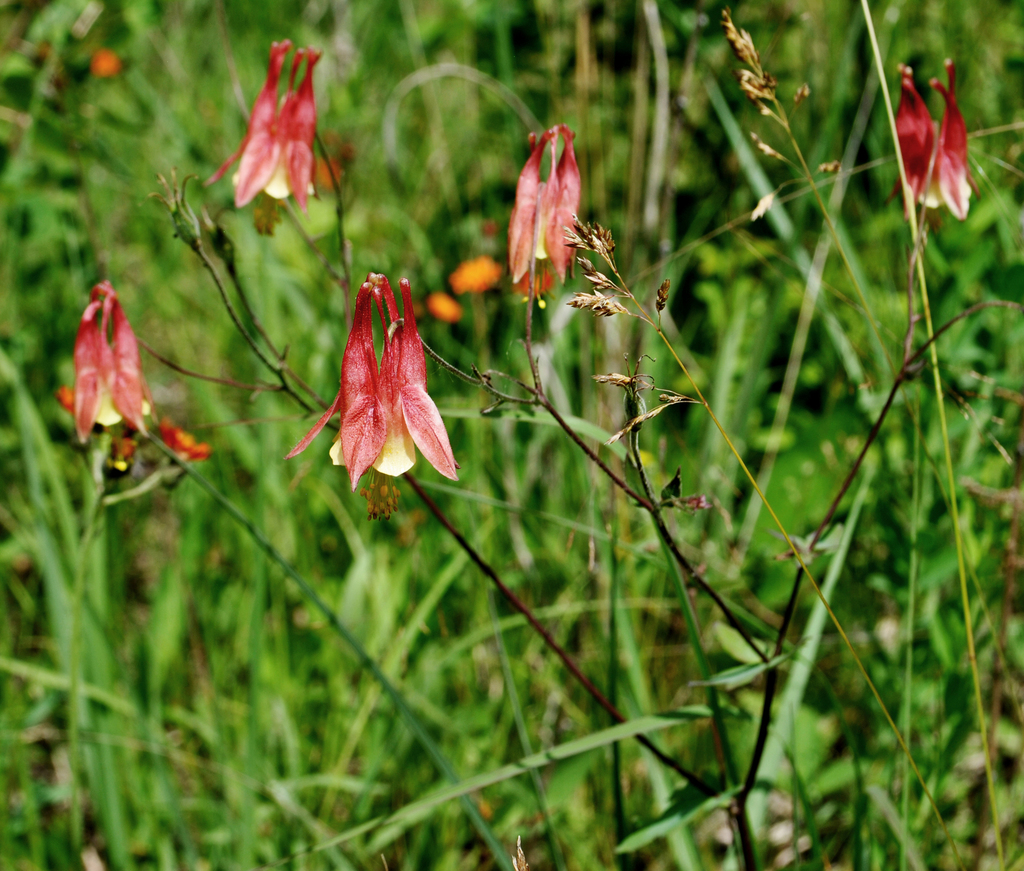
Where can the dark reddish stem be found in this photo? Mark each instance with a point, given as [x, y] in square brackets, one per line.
[567, 660]
[229, 382]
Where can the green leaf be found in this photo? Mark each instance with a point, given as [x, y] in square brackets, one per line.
[736, 645]
[690, 801]
[674, 488]
[741, 674]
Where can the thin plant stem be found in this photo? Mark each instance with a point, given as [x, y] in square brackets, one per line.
[771, 675]
[311, 244]
[476, 380]
[213, 379]
[962, 570]
[720, 737]
[832, 231]
[954, 512]
[1011, 562]
[367, 661]
[279, 356]
[343, 248]
[75, 655]
[208, 263]
[651, 508]
[556, 648]
[908, 667]
[613, 690]
[524, 735]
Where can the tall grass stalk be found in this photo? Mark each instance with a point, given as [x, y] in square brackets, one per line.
[803, 565]
[92, 519]
[412, 720]
[950, 474]
[908, 667]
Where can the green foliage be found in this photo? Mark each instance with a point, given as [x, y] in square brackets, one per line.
[224, 723]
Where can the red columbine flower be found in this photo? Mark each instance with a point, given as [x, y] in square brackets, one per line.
[385, 413]
[953, 175]
[277, 151]
[917, 137]
[544, 208]
[951, 180]
[109, 384]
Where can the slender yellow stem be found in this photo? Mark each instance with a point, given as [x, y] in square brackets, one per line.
[954, 513]
[75, 669]
[784, 120]
[821, 596]
[962, 569]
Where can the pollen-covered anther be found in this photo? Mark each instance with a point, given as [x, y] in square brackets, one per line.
[381, 496]
[600, 305]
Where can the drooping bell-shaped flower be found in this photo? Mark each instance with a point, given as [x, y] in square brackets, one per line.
[917, 137]
[109, 384]
[952, 174]
[386, 412]
[543, 210]
[277, 151]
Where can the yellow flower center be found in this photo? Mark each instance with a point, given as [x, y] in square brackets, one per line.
[381, 496]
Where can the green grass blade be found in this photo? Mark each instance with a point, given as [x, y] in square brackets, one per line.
[792, 696]
[412, 720]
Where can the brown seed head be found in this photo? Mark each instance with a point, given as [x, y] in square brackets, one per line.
[600, 305]
[764, 147]
[599, 280]
[519, 862]
[590, 237]
[635, 382]
[757, 88]
[802, 93]
[663, 295]
[740, 41]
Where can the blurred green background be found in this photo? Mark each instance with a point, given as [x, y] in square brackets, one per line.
[225, 723]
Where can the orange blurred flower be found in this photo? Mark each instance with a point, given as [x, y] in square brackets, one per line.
[476, 276]
[66, 397]
[323, 172]
[183, 443]
[444, 308]
[104, 63]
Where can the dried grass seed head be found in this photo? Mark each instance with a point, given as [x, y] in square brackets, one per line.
[600, 305]
[519, 861]
[631, 382]
[740, 41]
[757, 88]
[596, 278]
[662, 300]
[765, 148]
[590, 237]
